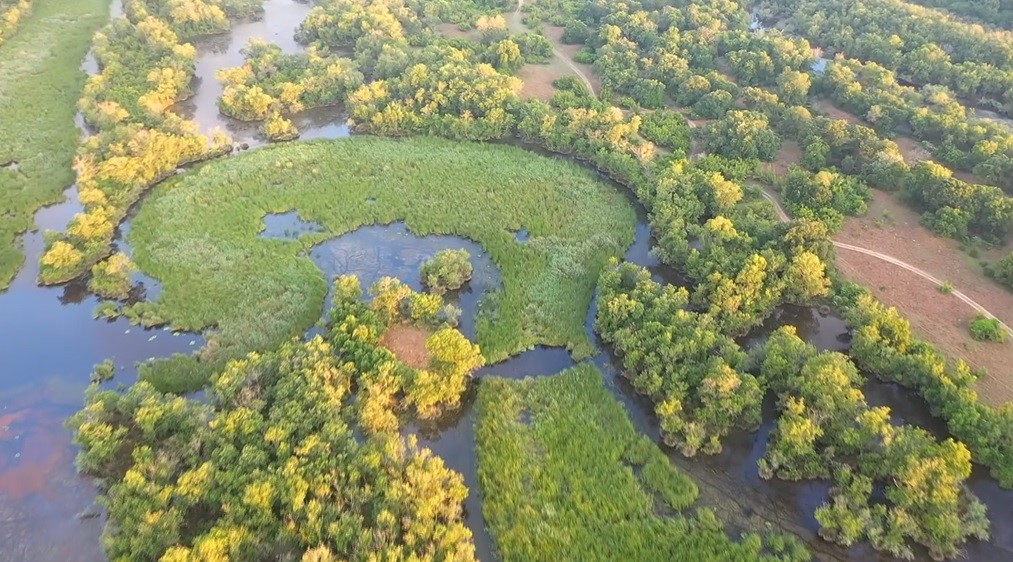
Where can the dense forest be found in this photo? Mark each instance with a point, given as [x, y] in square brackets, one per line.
[300, 447]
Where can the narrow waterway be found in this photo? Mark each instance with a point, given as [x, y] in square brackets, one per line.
[50, 342]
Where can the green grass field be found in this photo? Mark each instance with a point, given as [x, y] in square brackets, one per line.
[198, 234]
[564, 475]
[40, 83]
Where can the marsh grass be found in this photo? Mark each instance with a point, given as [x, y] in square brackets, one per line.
[564, 475]
[198, 234]
[40, 81]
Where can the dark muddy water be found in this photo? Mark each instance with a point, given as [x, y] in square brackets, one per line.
[50, 341]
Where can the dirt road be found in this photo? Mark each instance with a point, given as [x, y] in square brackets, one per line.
[781, 214]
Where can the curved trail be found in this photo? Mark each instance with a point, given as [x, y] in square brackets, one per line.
[566, 60]
[781, 214]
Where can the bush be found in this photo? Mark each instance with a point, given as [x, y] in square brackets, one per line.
[987, 329]
[446, 271]
[1003, 270]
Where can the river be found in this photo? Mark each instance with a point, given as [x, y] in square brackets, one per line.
[50, 342]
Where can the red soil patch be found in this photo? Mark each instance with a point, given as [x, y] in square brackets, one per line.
[789, 153]
[408, 344]
[538, 80]
[892, 228]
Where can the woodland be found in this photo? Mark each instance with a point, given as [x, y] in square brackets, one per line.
[293, 432]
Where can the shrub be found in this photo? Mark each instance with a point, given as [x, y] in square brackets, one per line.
[103, 371]
[987, 329]
[447, 270]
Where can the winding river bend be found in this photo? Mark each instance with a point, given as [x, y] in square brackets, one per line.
[49, 342]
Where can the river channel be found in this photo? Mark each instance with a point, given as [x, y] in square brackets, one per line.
[50, 341]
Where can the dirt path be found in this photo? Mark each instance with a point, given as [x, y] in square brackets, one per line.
[517, 25]
[781, 214]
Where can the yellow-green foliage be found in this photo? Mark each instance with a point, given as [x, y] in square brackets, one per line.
[40, 79]
[565, 476]
[110, 278]
[145, 69]
[272, 83]
[198, 234]
[276, 442]
[11, 14]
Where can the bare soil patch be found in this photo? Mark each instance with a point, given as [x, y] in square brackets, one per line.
[451, 31]
[892, 228]
[555, 35]
[538, 80]
[408, 344]
[828, 108]
[789, 153]
[912, 151]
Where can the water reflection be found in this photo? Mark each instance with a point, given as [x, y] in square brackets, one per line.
[276, 24]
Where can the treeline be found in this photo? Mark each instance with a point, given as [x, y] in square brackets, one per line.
[952, 133]
[296, 452]
[921, 45]
[997, 12]
[11, 14]
[145, 69]
[884, 345]
[826, 429]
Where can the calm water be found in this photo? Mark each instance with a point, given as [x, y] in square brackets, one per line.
[50, 342]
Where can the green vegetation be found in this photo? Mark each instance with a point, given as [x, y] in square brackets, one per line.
[885, 346]
[38, 136]
[559, 455]
[446, 271]
[681, 360]
[271, 84]
[986, 329]
[1002, 271]
[668, 129]
[826, 428]
[198, 235]
[11, 14]
[926, 45]
[111, 278]
[145, 69]
[273, 465]
[103, 371]
[742, 134]
[825, 196]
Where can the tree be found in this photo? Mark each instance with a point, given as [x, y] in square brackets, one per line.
[447, 270]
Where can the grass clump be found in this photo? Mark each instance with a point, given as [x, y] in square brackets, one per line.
[448, 270]
[986, 329]
[38, 136]
[565, 476]
[198, 234]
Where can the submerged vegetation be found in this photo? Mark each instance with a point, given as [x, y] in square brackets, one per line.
[560, 455]
[198, 235]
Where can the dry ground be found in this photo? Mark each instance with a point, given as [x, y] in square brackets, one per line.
[408, 344]
[555, 34]
[892, 228]
[789, 153]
